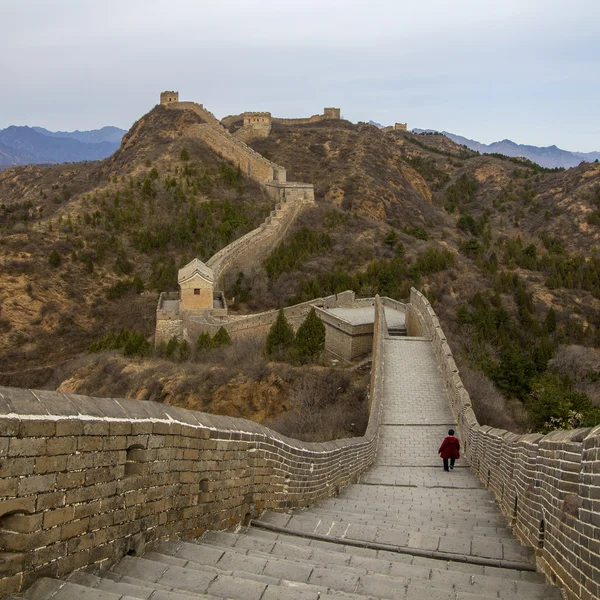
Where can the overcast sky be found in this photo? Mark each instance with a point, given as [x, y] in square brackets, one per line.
[527, 70]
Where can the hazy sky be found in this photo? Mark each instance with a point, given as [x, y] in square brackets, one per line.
[528, 70]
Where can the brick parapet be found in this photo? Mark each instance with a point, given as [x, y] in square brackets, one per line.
[548, 485]
[88, 480]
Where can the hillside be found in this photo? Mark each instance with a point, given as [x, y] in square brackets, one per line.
[127, 218]
[503, 248]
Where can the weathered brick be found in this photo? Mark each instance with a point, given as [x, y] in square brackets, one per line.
[52, 518]
[50, 464]
[50, 500]
[61, 445]
[27, 447]
[37, 483]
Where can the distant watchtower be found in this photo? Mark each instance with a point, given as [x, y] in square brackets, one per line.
[331, 113]
[168, 97]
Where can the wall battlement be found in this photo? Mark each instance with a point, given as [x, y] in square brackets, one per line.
[548, 485]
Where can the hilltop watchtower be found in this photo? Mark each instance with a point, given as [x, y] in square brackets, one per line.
[331, 113]
[168, 97]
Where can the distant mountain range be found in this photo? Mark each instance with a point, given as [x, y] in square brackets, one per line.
[36, 145]
[548, 156]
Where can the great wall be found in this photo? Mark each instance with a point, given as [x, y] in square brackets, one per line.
[110, 499]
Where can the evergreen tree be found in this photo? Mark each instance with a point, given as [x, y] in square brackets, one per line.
[221, 338]
[54, 259]
[310, 337]
[551, 321]
[203, 343]
[280, 337]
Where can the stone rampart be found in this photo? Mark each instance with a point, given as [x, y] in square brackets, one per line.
[259, 324]
[250, 249]
[252, 164]
[548, 485]
[85, 481]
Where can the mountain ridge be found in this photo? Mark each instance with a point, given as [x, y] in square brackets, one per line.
[21, 145]
[550, 157]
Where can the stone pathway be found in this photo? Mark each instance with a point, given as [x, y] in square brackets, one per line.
[407, 531]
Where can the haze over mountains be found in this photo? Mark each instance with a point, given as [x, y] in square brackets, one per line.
[22, 145]
[36, 145]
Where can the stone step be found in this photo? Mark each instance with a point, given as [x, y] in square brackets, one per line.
[433, 571]
[445, 527]
[348, 579]
[500, 549]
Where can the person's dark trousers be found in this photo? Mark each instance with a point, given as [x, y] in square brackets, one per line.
[446, 463]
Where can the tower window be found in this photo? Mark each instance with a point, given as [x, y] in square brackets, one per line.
[196, 291]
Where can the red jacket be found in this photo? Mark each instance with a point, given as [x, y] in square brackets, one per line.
[450, 447]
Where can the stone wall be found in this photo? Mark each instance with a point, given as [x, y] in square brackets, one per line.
[252, 164]
[328, 113]
[548, 485]
[249, 250]
[259, 324]
[168, 97]
[85, 481]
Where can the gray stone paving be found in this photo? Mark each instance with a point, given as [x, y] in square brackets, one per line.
[366, 314]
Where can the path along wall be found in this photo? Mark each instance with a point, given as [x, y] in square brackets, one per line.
[548, 485]
[84, 481]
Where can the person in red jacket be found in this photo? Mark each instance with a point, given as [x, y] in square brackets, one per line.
[449, 450]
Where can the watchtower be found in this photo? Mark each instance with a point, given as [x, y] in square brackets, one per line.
[331, 113]
[257, 118]
[400, 127]
[168, 97]
[196, 284]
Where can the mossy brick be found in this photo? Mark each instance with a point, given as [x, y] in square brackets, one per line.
[52, 518]
[50, 500]
[37, 428]
[33, 484]
[27, 447]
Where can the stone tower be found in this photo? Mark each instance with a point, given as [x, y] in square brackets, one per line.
[168, 97]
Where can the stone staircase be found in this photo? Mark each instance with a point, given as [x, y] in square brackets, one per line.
[407, 531]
